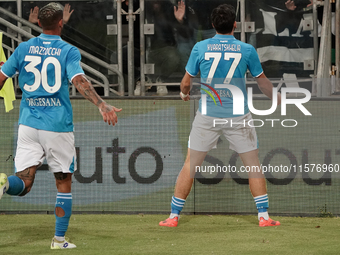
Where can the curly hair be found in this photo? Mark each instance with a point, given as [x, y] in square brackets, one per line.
[50, 15]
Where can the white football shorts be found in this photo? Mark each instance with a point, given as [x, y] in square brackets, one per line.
[35, 145]
[206, 130]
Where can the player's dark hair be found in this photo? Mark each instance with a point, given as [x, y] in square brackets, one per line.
[50, 15]
[223, 18]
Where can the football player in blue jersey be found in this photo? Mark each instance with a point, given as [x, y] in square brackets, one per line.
[222, 62]
[45, 65]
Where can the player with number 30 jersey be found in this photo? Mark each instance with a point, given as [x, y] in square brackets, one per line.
[46, 65]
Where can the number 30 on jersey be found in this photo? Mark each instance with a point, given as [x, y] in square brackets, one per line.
[40, 77]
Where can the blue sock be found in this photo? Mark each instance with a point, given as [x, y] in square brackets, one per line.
[64, 201]
[262, 203]
[177, 205]
[16, 185]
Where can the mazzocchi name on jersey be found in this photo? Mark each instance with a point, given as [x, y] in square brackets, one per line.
[43, 101]
[39, 50]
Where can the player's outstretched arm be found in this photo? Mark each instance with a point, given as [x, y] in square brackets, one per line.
[266, 87]
[85, 88]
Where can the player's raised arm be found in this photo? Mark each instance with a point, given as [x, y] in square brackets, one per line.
[85, 88]
[266, 87]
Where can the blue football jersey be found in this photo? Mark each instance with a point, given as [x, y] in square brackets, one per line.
[45, 65]
[222, 62]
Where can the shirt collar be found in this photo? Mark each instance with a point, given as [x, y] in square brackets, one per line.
[49, 37]
[219, 36]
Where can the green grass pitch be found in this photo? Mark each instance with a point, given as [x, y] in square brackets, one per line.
[195, 234]
[200, 234]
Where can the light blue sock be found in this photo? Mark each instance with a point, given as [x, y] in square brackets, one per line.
[16, 185]
[262, 203]
[177, 205]
[64, 201]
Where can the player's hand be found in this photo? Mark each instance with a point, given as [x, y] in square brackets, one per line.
[179, 11]
[290, 5]
[33, 18]
[67, 13]
[184, 97]
[109, 113]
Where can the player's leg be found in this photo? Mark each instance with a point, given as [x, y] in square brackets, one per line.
[185, 177]
[257, 182]
[63, 210]
[61, 159]
[29, 155]
[203, 137]
[183, 186]
[27, 177]
[243, 140]
[258, 189]
[19, 184]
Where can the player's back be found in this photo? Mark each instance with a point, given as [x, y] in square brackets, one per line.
[223, 62]
[223, 56]
[45, 65]
[43, 57]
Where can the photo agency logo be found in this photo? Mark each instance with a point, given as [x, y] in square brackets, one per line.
[238, 104]
[204, 97]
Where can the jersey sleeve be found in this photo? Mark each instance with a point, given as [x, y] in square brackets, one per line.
[11, 66]
[254, 64]
[192, 66]
[73, 67]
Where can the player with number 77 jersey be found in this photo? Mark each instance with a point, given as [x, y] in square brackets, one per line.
[222, 62]
[45, 65]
